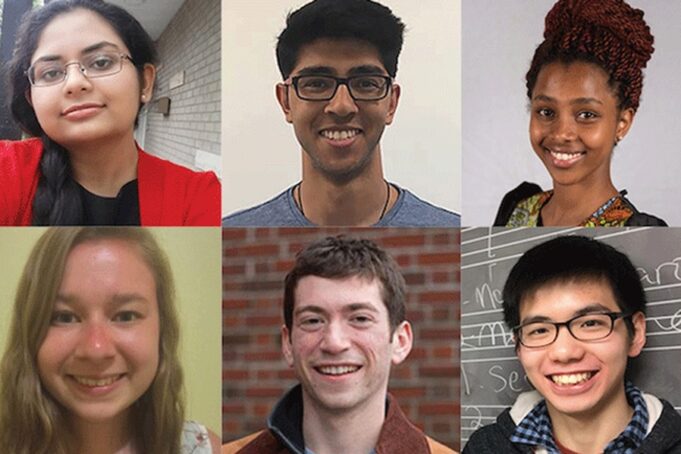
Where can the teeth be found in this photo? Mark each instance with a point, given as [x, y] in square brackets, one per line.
[571, 379]
[340, 135]
[338, 370]
[564, 156]
[96, 382]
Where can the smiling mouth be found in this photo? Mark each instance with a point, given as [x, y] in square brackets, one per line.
[571, 379]
[340, 134]
[565, 157]
[97, 382]
[337, 370]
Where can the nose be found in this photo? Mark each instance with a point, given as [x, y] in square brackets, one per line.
[96, 342]
[335, 339]
[564, 129]
[566, 348]
[76, 80]
[342, 103]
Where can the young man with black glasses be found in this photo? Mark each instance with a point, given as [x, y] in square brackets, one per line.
[338, 60]
[577, 310]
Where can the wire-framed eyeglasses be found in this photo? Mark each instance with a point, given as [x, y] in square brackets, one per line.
[587, 327]
[44, 73]
[323, 88]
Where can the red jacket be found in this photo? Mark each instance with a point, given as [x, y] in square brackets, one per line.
[169, 194]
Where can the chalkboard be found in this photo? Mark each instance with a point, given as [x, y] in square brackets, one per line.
[492, 377]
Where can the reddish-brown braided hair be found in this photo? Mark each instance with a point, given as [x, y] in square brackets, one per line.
[608, 33]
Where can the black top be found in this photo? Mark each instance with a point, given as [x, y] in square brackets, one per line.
[124, 209]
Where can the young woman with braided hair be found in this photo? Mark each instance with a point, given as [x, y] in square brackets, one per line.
[81, 72]
[584, 87]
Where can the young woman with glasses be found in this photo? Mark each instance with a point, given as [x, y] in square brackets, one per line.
[584, 87]
[81, 72]
[91, 363]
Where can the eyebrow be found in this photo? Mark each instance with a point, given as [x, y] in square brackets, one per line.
[119, 299]
[352, 307]
[585, 100]
[87, 50]
[328, 70]
[589, 309]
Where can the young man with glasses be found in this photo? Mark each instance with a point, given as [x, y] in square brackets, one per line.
[338, 60]
[344, 327]
[577, 310]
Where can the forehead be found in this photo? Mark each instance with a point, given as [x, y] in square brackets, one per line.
[573, 80]
[106, 260]
[339, 56]
[336, 295]
[68, 34]
[562, 300]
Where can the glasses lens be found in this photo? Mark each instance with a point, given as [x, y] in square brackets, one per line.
[537, 334]
[102, 64]
[368, 87]
[46, 73]
[591, 326]
[315, 87]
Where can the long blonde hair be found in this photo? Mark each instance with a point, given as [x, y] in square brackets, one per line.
[31, 420]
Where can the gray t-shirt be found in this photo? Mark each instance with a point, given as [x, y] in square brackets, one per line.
[282, 211]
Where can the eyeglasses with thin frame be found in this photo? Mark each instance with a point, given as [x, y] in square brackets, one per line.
[45, 73]
[587, 327]
[369, 87]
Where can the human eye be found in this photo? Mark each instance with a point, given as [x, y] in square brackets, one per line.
[592, 322]
[101, 62]
[545, 113]
[48, 72]
[361, 319]
[62, 317]
[536, 330]
[314, 83]
[311, 322]
[127, 316]
[587, 115]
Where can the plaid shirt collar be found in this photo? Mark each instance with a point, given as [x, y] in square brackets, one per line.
[535, 428]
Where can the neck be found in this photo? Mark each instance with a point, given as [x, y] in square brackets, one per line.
[108, 437]
[353, 430]
[591, 432]
[572, 204]
[104, 167]
[360, 201]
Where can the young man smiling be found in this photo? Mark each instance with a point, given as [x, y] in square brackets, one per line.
[338, 93]
[577, 310]
[344, 314]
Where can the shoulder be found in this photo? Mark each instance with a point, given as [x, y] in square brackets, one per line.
[412, 211]
[279, 211]
[438, 448]
[153, 165]
[664, 437]
[512, 198]
[20, 153]
[639, 219]
[20, 170]
[493, 438]
[262, 442]
[198, 439]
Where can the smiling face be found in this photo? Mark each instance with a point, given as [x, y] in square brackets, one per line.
[577, 377]
[340, 343]
[80, 110]
[101, 351]
[340, 137]
[575, 123]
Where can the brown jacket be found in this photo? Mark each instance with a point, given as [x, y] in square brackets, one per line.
[398, 435]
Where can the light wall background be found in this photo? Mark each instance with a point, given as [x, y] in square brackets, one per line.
[499, 39]
[195, 258]
[421, 149]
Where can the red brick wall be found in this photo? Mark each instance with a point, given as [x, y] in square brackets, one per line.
[255, 375]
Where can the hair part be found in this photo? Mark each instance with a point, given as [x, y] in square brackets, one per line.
[363, 20]
[608, 33]
[58, 200]
[31, 420]
[341, 257]
[569, 259]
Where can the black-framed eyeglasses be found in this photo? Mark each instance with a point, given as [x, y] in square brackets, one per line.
[44, 73]
[323, 88]
[587, 327]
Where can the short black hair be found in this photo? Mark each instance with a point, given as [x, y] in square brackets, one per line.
[342, 257]
[363, 20]
[573, 258]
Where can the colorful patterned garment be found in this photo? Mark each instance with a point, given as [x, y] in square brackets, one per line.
[613, 213]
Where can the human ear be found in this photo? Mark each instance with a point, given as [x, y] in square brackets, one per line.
[148, 80]
[281, 92]
[626, 118]
[402, 339]
[638, 339]
[286, 349]
[394, 96]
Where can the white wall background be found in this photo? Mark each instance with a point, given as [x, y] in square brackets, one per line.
[421, 149]
[499, 39]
